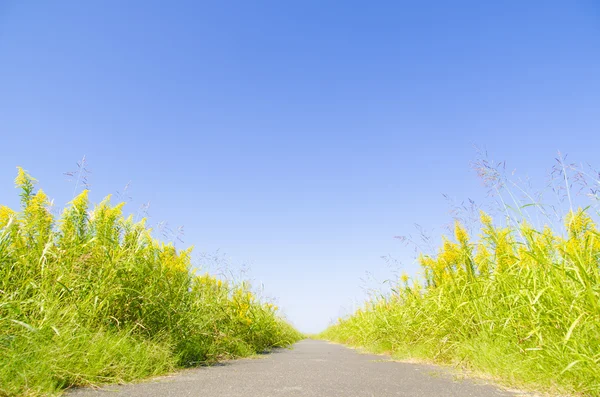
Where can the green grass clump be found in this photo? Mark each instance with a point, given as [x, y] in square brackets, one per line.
[518, 303]
[92, 298]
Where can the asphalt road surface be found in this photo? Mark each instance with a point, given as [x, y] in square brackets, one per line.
[310, 368]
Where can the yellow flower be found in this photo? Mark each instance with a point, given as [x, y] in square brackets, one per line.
[40, 198]
[450, 253]
[485, 219]
[5, 215]
[81, 200]
[578, 222]
[404, 278]
[37, 209]
[23, 178]
[460, 233]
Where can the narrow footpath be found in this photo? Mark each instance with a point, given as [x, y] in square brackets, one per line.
[310, 368]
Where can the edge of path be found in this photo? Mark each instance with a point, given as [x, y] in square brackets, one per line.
[457, 372]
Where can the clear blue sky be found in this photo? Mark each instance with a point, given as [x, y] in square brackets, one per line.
[299, 137]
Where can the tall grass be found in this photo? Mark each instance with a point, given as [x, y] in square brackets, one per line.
[92, 297]
[519, 302]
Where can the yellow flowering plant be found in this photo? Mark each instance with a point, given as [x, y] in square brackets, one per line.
[91, 296]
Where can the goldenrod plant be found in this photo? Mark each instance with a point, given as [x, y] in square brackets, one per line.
[92, 297]
[518, 302]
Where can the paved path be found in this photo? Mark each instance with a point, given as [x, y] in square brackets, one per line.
[311, 368]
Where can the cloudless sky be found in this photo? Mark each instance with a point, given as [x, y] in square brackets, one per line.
[299, 137]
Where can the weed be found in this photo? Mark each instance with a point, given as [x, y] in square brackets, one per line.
[91, 297]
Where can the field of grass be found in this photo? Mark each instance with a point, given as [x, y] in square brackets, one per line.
[92, 298]
[514, 301]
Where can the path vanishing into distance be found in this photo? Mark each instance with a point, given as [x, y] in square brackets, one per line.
[310, 368]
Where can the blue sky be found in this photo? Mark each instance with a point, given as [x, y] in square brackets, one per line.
[298, 137]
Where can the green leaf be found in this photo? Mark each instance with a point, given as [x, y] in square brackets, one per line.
[572, 327]
[25, 325]
[568, 367]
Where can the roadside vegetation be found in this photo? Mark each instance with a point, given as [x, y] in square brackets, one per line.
[92, 297]
[517, 298]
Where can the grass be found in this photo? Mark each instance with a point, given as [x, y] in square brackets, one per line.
[514, 301]
[93, 298]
